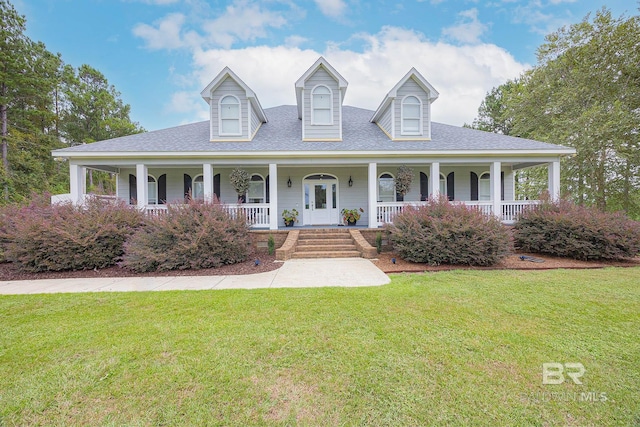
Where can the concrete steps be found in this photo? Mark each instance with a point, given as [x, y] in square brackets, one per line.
[330, 243]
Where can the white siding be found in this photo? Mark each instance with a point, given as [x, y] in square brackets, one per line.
[385, 121]
[255, 122]
[410, 87]
[229, 87]
[321, 132]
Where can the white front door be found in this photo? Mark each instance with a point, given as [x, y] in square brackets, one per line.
[320, 201]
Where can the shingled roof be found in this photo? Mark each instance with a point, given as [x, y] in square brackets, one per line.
[283, 133]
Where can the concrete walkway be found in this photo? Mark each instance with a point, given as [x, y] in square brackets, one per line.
[299, 273]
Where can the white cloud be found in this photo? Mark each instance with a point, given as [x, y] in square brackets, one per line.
[468, 29]
[164, 34]
[332, 8]
[188, 102]
[241, 21]
[244, 21]
[540, 20]
[462, 74]
[295, 41]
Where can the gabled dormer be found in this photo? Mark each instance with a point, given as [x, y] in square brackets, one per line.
[319, 94]
[235, 112]
[405, 113]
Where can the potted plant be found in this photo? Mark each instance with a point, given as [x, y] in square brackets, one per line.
[350, 216]
[289, 217]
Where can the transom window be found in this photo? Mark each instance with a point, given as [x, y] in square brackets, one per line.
[230, 115]
[411, 112]
[198, 188]
[386, 188]
[443, 185]
[152, 190]
[321, 101]
[484, 187]
[256, 192]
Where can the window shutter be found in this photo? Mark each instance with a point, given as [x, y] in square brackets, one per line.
[501, 185]
[424, 186]
[266, 184]
[450, 186]
[162, 189]
[187, 187]
[216, 185]
[474, 186]
[133, 189]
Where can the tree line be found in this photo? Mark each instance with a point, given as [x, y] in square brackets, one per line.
[46, 104]
[584, 92]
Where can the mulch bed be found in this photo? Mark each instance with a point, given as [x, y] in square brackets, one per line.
[267, 263]
[512, 262]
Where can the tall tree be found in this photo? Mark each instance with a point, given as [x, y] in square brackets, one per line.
[93, 111]
[28, 74]
[585, 93]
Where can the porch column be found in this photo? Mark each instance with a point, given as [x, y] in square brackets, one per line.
[373, 195]
[434, 180]
[207, 180]
[142, 186]
[495, 192]
[77, 183]
[554, 179]
[274, 214]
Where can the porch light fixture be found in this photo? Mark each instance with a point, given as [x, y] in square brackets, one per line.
[350, 181]
[289, 182]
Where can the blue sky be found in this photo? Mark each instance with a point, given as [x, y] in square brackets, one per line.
[161, 53]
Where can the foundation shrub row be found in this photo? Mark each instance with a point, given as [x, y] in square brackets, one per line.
[444, 233]
[43, 237]
[567, 230]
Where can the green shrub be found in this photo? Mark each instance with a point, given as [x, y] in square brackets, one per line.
[192, 236]
[443, 233]
[567, 230]
[379, 242]
[44, 237]
[271, 245]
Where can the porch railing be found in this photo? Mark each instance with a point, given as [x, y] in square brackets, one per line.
[511, 209]
[256, 215]
[386, 211]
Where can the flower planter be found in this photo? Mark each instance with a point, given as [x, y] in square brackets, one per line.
[351, 222]
[288, 223]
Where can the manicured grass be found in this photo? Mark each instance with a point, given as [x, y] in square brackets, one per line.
[450, 348]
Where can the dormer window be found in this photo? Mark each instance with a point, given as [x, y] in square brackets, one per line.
[230, 116]
[321, 106]
[411, 114]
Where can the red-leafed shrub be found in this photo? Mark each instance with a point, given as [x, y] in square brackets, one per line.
[192, 236]
[44, 237]
[567, 230]
[444, 233]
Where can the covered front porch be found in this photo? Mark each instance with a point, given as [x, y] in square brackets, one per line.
[319, 191]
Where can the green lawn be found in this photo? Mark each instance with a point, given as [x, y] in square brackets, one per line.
[450, 348]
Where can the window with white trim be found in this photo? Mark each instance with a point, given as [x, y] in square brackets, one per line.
[484, 187]
[197, 191]
[443, 185]
[257, 189]
[321, 106]
[411, 113]
[386, 188]
[230, 116]
[152, 190]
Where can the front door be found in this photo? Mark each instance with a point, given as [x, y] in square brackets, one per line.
[320, 201]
